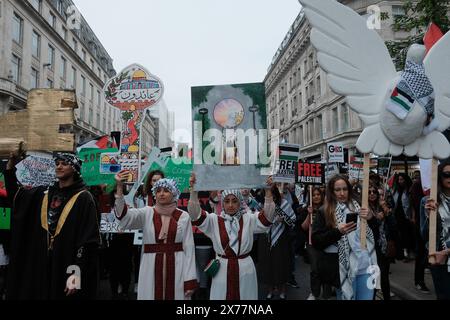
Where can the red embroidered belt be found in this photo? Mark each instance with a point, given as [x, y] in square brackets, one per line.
[234, 257]
[163, 248]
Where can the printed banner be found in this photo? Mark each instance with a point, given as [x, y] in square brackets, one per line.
[132, 91]
[179, 169]
[311, 173]
[287, 163]
[356, 168]
[90, 170]
[231, 149]
[335, 152]
[110, 163]
[5, 218]
[330, 171]
[36, 170]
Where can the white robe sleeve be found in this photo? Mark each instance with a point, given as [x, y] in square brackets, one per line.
[189, 267]
[130, 219]
[263, 220]
[200, 218]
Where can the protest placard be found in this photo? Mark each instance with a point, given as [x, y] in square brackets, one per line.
[335, 152]
[90, 170]
[36, 170]
[311, 173]
[287, 163]
[5, 218]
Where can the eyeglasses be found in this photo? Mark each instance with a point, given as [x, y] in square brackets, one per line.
[446, 174]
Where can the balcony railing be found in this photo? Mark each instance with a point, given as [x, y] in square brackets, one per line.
[9, 86]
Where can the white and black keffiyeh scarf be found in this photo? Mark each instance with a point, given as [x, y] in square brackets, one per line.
[276, 230]
[232, 221]
[347, 258]
[444, 213]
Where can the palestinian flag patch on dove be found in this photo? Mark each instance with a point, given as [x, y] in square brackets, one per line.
[400, 103]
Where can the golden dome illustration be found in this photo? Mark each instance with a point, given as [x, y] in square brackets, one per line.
[133, 149]
[139, 75]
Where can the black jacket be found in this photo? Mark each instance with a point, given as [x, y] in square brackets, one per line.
[322, 235]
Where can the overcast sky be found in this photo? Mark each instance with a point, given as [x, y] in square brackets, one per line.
[192, 42]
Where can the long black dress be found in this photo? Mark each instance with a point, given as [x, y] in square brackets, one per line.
[39, 270]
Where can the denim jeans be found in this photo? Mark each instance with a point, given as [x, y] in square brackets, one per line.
[360, 289]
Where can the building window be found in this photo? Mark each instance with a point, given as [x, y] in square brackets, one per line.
[319, 128]
[99, 72]
[83, 86]
[36, 44]
[81, 111]
[92, 91]
[92, 64]
[319, 87]
[97, 121]
[50, 84]
[59, 6]
[345, 117]
[52, 20]
[74, 78]
[51, 57]
[91, 116]
[83, 55]
[398, 11]
[16, 68]
[64, 33]
[300, 137]
[17, 28]
[37, 4]
[335, 120]
[34, 79]
[63, 68]
[75, 45]
[98, 98]
[300, 101]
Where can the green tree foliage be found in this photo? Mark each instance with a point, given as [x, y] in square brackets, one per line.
[418, 16]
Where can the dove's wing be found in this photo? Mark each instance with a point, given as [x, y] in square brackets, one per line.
[355, 58]
[437, 67]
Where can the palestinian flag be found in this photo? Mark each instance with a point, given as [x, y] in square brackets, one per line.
[400, 103]
[289, 152]
[433, 35]
[104, 142]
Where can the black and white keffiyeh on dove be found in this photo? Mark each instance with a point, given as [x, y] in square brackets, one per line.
[359, 67]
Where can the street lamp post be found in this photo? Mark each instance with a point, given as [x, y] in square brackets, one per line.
[254, 109]
[203, 112]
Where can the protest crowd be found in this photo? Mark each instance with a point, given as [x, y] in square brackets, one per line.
[221, 246]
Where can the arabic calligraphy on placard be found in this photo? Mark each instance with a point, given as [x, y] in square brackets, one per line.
[134, 89]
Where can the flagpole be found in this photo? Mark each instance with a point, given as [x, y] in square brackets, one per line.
[140, 145]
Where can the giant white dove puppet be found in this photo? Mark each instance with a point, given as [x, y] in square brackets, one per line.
[402, 112]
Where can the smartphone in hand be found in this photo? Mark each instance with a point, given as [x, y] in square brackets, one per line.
[351, 217]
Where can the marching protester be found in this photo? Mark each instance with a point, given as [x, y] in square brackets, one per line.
[5, 237]
[204, 251]
[336, 230]
[274, 248]
[148, 199]
[440, 270]
[417, 195]
[120, 256]
[403, 215]
[152, 177]
[233, 270]
[307, 217]
[384, 227]
[54, 232]
[167, 269]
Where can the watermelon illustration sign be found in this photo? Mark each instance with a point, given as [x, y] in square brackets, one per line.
[132, 91]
